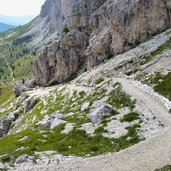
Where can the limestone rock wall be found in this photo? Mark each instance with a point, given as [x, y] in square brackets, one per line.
[99, 29]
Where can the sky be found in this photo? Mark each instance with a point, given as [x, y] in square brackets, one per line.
[20, 7]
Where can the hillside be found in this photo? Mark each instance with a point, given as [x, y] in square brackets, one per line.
[15, 54]
[91, 88]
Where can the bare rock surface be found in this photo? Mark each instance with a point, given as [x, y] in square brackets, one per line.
[7, 122]
[51, 121]
[25, 158]
[103, 110]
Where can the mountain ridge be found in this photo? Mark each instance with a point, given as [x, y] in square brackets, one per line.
[16, 20]
[5, 27]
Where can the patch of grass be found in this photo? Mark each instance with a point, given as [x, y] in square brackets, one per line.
[119, 99]
[161, 84]
[99, 80]
[130, 117]
[6, 93]
[164, 87]
[99, 130]
[76, 142]
[165, 168]
[161, 49]
[5, 159]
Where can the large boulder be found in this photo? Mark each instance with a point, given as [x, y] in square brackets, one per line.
[18, 89]
[51, 121]
[103, 110]
[7, 122]
[29, 105]
[26, 159]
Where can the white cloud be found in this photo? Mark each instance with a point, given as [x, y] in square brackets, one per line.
[20, 7]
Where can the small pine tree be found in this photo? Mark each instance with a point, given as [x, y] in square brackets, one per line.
[65, 29]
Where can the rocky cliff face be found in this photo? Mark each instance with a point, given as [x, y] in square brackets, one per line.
[53, 16]
[121, 25]
[99, 29]
[64, 57]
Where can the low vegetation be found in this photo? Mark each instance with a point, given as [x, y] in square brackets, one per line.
[65, 29]
[66, 144]
[6, 93]
[130, 117]
[119, 99]
[165, 168]
[160, 50]
[77, 142]
[161, 84]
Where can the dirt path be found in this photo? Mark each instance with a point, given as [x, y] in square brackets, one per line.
[10, 69]
[45, 91]
[145, 156]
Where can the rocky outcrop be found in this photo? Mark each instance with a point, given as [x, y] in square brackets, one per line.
[26, 159]
[51, 121]
[123, 25]
[49, 23]
[60, 60]
[5, 126]
[99, 29]
[19, 89]
[29, 105]
[104, 110]
[63, 58]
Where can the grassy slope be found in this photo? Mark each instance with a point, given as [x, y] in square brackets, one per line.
[18, 55]
[77, 142]
[6, 92]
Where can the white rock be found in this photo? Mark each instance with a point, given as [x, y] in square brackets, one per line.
[24, 138]
[25, 159]
[85, 106]
[51, 121]
[68, 128]
[103, 110]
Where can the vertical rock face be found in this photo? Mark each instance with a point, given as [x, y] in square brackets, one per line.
[49, 23]
[60, 60]
[63, 58]
[98, 29]
[57, 12]
[122, 24]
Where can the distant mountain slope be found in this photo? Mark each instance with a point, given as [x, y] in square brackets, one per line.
[16, 20]
[4, 27]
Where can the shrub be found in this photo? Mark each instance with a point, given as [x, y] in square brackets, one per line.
[130, 117]
[165, 168]
[65, 29]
